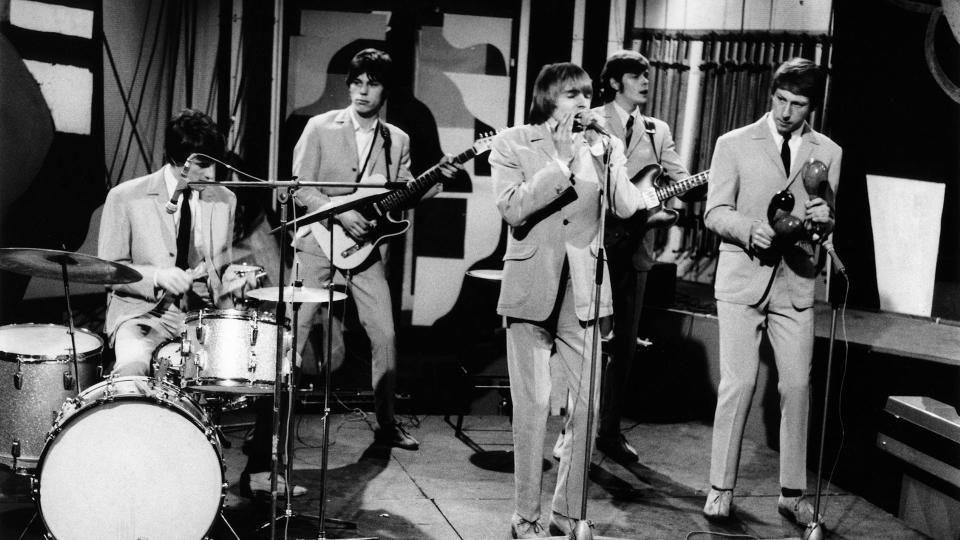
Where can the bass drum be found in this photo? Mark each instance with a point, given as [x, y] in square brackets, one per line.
[130, 457]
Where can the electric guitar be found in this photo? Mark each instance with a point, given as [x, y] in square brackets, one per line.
[349, 252]
[655, 191]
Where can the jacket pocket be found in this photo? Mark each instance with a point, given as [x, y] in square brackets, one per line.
[520, 252]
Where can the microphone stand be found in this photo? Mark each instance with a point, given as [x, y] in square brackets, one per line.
[584, 528]
[284, 199]
[815, 529]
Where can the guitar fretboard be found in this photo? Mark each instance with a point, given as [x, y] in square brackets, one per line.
[676, 188]
[400, 198]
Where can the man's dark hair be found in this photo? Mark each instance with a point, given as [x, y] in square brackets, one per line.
[191, 131]
[617, 65]
[548, 85]
[802, 77]
[375, 63]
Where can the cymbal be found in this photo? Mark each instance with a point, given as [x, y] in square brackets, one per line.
[296, 294]
[81, 268]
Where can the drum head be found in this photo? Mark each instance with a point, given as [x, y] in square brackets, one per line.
[45, 342]
[130, 469]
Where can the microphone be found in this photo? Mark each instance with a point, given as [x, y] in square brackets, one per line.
[171, 206]
[828, 245]
[591, 124]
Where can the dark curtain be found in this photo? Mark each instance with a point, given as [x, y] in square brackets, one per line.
[669, 76]
[51, 179]
[893, 111]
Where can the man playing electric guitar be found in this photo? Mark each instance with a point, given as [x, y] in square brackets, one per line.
[354, 143]
[624, 87]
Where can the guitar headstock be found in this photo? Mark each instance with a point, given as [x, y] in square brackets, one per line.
[482, 144]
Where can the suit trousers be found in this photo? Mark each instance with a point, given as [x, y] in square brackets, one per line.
[136, 339]
[628, 286]
[367, 285]
[790, 332]
[529, 347]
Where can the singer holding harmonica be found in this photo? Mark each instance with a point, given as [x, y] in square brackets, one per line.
[769, 223]
[178, 238]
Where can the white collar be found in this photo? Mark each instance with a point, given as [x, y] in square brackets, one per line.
[777, 137]
[355, 120]
[170, 178]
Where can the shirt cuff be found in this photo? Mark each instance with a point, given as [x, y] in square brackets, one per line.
[596, 149]
[563, 166]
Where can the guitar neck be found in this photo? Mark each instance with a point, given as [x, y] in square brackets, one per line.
[401, 198]
[676, 188]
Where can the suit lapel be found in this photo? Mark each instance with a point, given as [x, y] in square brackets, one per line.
[157, 188]
[377, 150]
[613, 121]
[346, 132]
[540, 139]
[807, 142]
[760, 133]
[639, 133]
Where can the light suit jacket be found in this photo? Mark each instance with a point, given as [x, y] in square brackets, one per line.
[639, 154]
[327, 152]
[136, 230]
[552, 217]
[746, 172]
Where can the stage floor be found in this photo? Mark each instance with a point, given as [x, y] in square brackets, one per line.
[445, 490]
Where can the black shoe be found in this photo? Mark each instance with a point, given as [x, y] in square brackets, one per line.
[617, 448]
[395, 436]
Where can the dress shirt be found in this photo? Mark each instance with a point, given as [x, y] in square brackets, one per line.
[364, 137]
[794, 143]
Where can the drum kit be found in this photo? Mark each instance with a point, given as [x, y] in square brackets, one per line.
[130, 442]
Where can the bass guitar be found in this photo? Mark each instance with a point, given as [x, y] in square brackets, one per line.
[655, 191]
[349, 252]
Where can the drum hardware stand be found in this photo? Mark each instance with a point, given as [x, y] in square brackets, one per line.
[327, 374]
[283, 198]
[27, 528]
[289, 515]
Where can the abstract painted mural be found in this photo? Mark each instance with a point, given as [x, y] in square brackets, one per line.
[458, 90]
[51, 138]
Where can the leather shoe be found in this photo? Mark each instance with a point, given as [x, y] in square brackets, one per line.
[617, 448]
[521, 528]
[395, 436]
[797, 509]
[718, 503]
[258, 485]
[561, 525]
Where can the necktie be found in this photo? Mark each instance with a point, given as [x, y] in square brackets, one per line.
[785, 153]
[183, 233]
[629, 131]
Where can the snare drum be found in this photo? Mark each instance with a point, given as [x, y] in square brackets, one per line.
[232, 351]
[130, 457]
[167, 361]
[36, 377]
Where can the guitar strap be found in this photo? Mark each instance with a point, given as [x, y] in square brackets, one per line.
[366, 160]
[650, 128]
[385, 133]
